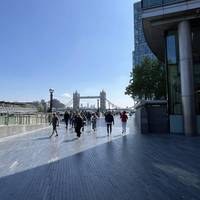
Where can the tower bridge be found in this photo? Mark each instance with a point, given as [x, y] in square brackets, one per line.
[102, 102]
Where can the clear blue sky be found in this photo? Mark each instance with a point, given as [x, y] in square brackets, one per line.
[65, 45]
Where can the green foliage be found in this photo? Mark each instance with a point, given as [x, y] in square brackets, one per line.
[57, 104]
[148, 80]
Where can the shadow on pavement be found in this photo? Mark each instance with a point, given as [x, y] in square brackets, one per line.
[71, 140]
[42, 138]
[132, 167]
[99, 137]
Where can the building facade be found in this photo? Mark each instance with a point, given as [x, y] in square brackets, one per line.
[172, 31]
[141, 47]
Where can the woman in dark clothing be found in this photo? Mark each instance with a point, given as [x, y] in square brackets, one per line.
[78, 125]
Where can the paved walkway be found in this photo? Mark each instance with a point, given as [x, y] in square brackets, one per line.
[99, 167]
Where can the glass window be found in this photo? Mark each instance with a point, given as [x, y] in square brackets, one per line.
[174, 90]
[171, 1]
[151, 3]
[171, 49]
[196, 65]
[154, 3]
[197, 86]
[174, 85]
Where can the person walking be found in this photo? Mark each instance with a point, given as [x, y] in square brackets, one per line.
[124, 119]
[109, 119]
[78, 125]
[84, 120]
[72, 119]
[71, 114]
[54, 122]
[88, 116]
[66, 119]
[94, 122]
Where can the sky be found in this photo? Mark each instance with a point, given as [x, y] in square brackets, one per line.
[67, 45]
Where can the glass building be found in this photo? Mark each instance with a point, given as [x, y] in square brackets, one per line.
[172, 30]
[141, 47]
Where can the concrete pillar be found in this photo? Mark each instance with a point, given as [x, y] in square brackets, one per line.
[187, 82]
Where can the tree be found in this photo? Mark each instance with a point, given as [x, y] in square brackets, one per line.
[40, 105]
[57, 104]
[148, 80]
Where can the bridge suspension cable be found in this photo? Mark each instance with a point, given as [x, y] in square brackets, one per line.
[113, 105]
[69, 103]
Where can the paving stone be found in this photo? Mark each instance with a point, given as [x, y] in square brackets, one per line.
[132, 167]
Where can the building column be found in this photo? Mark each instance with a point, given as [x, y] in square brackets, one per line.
[187, 82]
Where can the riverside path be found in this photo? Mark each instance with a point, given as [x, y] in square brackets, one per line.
[98, 167]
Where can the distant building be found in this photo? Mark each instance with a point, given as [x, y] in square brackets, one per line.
[141, 47]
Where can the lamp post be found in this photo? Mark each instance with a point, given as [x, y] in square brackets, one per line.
[98, 105]
[51, 99]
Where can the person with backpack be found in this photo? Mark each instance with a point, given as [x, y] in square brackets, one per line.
[124, 119]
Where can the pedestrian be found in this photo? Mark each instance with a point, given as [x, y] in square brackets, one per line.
[88, 116]
[94, 122]
[109, 119]
[66, 119]
[54, 122]
[84, 120]
[78, 125]
[124, 119]
[58, 116]
[72, 119]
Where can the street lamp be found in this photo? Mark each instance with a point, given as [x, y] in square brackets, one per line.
[98, 105]
[51, 99]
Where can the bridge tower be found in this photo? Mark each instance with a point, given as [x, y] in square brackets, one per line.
[102, 101]
[76, 101]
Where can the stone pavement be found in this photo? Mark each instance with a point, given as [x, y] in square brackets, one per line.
[98, 167]
[15, 130]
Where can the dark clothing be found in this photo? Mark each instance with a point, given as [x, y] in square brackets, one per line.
[78, 125]
[88, 116]
[66, 118]
[54, 121]
[78, 131]
[94, 122]
[109, 119]
[109, 128]
[124, 117]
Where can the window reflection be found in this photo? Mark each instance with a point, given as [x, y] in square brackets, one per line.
[171, 49]
[174, 90]
[173, 74]
[196, 65]
[154, 3]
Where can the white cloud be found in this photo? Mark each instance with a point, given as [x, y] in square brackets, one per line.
[66, 95]
[64, 98]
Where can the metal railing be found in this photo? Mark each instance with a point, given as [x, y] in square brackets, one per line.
[23, 119]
